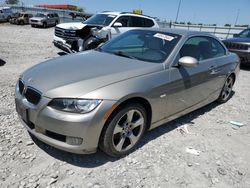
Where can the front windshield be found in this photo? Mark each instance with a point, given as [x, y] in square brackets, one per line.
[144, 45]
[100, 19]
[245, 33]
[40, 15]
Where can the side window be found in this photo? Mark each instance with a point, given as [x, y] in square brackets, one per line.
[148, 22]
[137, 21]
[245, 33]
[26, 15]
[124, 20]
[202, 48]
[217, 49]
[192, 48]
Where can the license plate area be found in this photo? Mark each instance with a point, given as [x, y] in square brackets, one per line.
[22, 111]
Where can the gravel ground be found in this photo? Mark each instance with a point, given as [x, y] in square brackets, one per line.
[161, 159]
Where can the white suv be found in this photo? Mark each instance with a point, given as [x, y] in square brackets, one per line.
[80, 36]
[5, 13]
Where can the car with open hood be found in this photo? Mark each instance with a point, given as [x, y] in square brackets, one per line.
[108, 97]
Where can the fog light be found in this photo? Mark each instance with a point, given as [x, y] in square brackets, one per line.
[73, 140]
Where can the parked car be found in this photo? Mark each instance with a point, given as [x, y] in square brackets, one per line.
[45, 20]
[80, 36]
[108, 97]
[14, 16]
[21, 18]
[240, 44]
[5, 13]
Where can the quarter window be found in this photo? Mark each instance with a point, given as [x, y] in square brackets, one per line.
[148, 22]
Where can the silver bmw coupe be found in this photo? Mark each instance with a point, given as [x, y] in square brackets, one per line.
[108, 97]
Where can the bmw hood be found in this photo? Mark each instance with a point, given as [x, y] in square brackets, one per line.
[73, 26]
[73, 76]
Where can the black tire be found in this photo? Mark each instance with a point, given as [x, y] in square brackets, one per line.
[226, 91]
[128, 133]
[56, 23]
[44, 25]
[91, 43]
[8, 18]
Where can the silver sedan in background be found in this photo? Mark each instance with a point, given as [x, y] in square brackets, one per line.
[110, 96]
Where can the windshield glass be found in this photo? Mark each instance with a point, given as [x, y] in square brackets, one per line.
[100, 19]
[144, 45]
[245, 33]
[40, 15]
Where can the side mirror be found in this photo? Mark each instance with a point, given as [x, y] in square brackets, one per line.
[235, 35]
[117, 24]
[188, 62]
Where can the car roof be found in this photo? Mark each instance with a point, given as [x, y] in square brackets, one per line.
[125, 13]
[182, 32]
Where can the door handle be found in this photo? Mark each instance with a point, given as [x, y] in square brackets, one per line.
[214, 70]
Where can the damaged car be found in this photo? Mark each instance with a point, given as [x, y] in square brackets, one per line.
[21, 19]
[80, 36]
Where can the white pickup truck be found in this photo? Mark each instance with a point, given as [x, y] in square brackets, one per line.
[80, 36]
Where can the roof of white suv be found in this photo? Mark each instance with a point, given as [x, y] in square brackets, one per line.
[125, 13]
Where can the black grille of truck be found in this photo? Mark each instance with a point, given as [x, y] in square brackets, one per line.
[236, 46]
[65, 33]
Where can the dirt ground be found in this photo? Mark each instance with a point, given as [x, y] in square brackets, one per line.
[161, 159]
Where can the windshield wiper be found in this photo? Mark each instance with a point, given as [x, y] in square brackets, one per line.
[120, 53]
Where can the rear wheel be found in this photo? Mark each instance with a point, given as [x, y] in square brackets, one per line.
[124, 130]
[227, 89]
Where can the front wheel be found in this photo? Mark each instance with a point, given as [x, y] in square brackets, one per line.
[124, 130]
[227, 90]
[44, 24]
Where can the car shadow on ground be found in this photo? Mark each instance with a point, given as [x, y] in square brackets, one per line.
[100, 158]
[245, 67]
[2, 62]
[62, 53]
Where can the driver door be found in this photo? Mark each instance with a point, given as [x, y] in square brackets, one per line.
[191, 86]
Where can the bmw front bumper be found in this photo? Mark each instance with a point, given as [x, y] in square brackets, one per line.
[76, 133]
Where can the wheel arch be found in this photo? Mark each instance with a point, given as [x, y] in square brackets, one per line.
[138, 100]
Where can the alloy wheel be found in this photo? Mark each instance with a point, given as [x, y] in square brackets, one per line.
[228, 87]
[128, 130]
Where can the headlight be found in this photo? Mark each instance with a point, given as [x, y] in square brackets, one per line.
[75, 105]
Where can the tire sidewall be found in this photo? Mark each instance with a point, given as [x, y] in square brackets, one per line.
[220, 99]
[107, 145]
